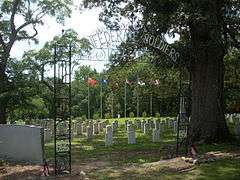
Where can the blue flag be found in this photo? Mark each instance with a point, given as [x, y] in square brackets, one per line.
[104, 81]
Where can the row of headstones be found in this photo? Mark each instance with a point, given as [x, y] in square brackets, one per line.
[147, 125]
[95, 127]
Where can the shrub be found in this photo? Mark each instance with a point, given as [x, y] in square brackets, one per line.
[107, 116]
[131, 115]
[157, 115]
[96, 116]
[84, 117]
[144, 114]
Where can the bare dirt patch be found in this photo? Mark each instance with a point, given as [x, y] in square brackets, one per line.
[90, 169]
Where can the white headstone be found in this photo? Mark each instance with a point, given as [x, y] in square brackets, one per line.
[126, 123]
[114, 126]
[142, 125]
[156, 135]
[22, 143]
[237, 129]
[95, 128]
[146, 128]
[79, 128]
[100, 127]
[156, 124]
[109, 136]
[47, 135]
[175, 124]
[89, 133]
[138, 124]
[131, 134]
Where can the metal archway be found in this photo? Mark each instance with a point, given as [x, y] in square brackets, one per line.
[62, 94]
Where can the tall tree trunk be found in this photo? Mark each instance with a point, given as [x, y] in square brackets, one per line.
[207, 72]
[3, 109]
[3, 117]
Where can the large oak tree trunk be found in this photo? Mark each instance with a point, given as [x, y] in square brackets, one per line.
[3, 109]
[207, 72]
[3, 117]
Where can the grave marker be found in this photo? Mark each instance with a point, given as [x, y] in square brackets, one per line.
[109, 136]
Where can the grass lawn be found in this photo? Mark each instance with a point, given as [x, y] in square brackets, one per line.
[143, 160]
[146, 160]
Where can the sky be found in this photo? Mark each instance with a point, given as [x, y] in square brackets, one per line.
[85, 23]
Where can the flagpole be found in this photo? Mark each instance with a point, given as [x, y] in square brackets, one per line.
[112, 105]
[137, 96]
[88, 101]
[125, 100]
[101, 99]
[151, 105]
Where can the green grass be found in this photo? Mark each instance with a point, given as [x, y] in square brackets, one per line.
[124, 161]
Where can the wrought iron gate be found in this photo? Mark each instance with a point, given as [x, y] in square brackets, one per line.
[62, 109]
[183, 119]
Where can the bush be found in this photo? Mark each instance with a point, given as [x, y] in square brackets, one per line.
[96, 116]
[131, 115]
[144, 114]
[84, 117]
[107, 116]
[157, 115]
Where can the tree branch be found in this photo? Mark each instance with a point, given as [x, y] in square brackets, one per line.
[26, 24]
[14, 11]
[29, 37]
[2, 42]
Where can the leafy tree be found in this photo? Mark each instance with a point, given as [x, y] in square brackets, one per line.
[30, 13]
[207, 29]
[232, 81]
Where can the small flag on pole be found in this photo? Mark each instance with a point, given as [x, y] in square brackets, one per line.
[128, 82]
[141, 83]
[157, 82]
[91, 81]
[104, 81]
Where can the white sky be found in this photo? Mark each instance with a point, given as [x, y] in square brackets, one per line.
[84, 23]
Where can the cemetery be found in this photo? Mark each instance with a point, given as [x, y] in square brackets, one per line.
[119, 89]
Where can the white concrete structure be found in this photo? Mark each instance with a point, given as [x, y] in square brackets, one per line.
[237, 129]
[84, 127]
[100, 126]
[126, 124]
[146, 128]
[116, 122]
[48, 135]
[114, 126]
[175, 124]
[95, 128]
[89, 133]
[156, 135]
[109, 136]
[79, 128]
[22, 143]
[142, 125]
[131, 134]
[156, 124]
[138, 124]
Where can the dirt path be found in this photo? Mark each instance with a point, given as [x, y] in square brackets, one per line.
[96, 168]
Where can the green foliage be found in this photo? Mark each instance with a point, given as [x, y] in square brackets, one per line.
[144, 114]
[96, 116]
[157, 115]
[131, 115]
[19, 79]
[84, 117]
[232, 81]
[107, 116]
